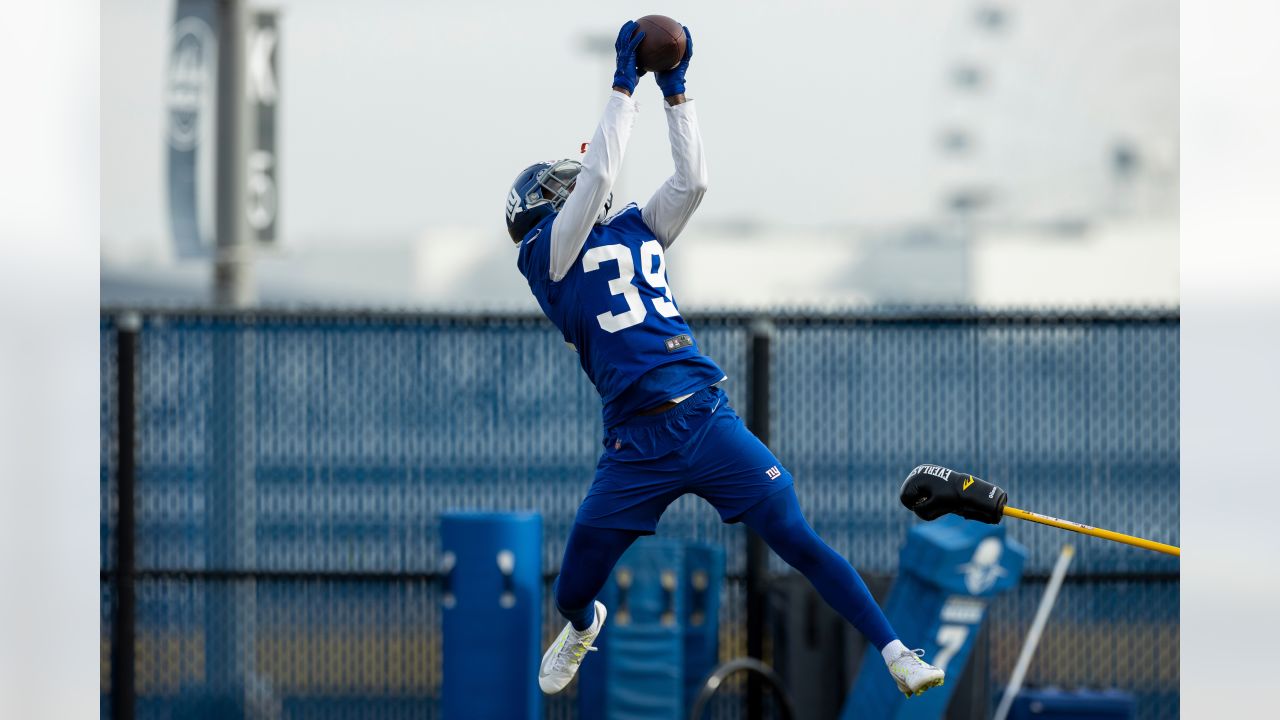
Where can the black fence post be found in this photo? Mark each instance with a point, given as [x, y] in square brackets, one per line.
[757, 551]
[123, 635]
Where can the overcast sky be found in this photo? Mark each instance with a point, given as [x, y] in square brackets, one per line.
[402, 116]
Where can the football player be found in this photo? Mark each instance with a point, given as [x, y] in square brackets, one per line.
[668, 427]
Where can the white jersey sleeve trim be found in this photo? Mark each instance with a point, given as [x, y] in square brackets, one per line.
[670, 208]
[600, 168]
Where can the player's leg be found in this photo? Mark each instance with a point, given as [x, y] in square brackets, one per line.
[625, 501]
[745, 482]
[589, 557]
[779, 521]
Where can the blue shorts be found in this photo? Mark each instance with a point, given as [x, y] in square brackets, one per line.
[700, 446]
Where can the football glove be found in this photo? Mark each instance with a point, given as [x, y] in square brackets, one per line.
[672, 81]
[627, 73]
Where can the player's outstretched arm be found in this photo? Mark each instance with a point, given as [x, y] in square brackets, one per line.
[602, 161]
[670, 208]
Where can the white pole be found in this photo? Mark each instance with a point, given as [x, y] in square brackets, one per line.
[1037, 627]
[233, 285]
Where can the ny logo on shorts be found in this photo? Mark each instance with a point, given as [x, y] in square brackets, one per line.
[774, 473]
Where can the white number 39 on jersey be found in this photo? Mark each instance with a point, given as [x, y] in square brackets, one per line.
[622, 285]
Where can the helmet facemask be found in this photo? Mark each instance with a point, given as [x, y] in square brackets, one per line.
[557, 182]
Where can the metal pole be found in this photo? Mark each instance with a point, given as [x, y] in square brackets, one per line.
[230, 625]
[757, 551]
[1037, 627]
[233, 263]
[123, 636]
[1093, 531]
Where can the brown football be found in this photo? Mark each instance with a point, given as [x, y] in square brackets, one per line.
[663, 45]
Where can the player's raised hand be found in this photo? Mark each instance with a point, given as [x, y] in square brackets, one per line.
[672, 81]
[627, 73]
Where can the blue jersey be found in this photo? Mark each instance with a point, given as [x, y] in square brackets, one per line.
[616, 309]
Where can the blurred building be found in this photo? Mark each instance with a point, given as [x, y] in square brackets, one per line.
[983, 152]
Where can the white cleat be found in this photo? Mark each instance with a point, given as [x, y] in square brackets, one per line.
[560, 662]
[912, 674]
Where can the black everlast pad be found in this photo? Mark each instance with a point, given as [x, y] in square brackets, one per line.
[931, 491]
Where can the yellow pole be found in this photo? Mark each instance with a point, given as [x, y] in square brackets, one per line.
[1089, 530]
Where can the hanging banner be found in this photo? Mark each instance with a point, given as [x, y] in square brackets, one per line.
[263, 76]
[191, 92]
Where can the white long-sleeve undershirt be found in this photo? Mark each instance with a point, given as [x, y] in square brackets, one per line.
[666, 213]
[600, 168]
[670, 208]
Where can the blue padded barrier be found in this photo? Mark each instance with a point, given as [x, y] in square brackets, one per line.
[1055, 704]
[951, 568]
[492, 617]
[638, 671]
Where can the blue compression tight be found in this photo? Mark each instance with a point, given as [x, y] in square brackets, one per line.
[589, 557]
[592, 552]
[778, 521]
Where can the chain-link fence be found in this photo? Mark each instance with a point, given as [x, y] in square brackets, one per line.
[291, 470]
